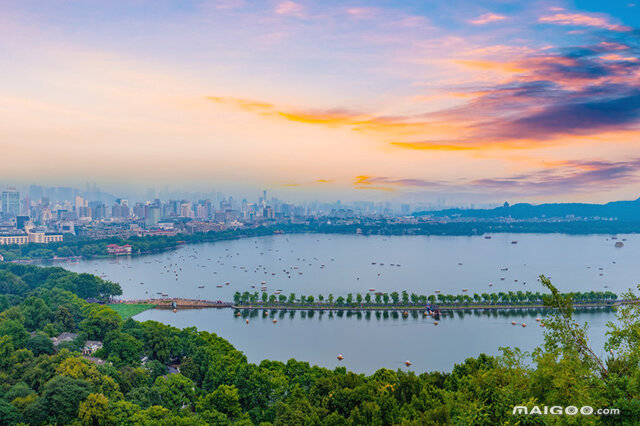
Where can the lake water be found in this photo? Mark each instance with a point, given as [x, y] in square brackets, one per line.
[339, 264]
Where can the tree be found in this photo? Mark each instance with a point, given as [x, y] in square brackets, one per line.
[565, 332]
[62, 396]
[99, 321]
[40, 344]
[175, 391]
[395, 297]
[9, 415]
[36, 313]
[124, 347]
[95, 411]
[225, 399]
[15, 330]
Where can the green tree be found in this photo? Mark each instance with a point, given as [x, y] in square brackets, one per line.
[125, 348]
[14, 329]
[225, 399]
[62, 396]
[40, 344]
[175, 391]
[99, 321]
[95, 411]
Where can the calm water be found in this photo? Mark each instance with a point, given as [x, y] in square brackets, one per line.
[370, 343]
[339, 264]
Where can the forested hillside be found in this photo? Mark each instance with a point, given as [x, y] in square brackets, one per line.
[133, 378]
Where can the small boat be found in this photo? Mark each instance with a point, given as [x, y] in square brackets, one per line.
[436, 323]
[513, 323]
[340, 357]
[275, 321]
[514, 242]
[247, 321]
[538, 319]
[524, 325]
[407, 363]
[619, 244]
[372, 289]
[200, 286]
[437, 291]
[464, 289]
[487, 237]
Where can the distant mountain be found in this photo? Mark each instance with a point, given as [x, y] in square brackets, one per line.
[621, 210]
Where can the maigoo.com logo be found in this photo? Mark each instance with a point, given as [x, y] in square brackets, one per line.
[570, 410]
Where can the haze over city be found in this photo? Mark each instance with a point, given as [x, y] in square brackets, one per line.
[404, 101]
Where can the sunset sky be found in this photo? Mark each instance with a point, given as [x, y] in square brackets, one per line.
[474, 100]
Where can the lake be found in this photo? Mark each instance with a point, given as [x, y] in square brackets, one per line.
[312, 264]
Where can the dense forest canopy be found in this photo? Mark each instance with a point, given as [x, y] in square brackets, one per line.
[131, 380]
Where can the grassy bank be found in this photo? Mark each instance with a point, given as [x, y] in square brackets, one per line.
[127, 311]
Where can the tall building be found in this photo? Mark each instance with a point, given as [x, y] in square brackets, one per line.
[10, 202]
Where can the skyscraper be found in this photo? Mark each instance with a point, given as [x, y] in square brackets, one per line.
[10, 202]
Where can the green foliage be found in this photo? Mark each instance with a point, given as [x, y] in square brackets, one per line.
[40, 344]
[40, 384]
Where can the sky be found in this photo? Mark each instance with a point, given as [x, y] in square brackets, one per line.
[473, 100]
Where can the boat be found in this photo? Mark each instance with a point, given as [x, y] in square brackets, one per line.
[200, 286]
[437, 291]
[372, 289]
[487, 237]
[514, 242]
[340, 357]
[524, 325]
[619, 244]
[407, 363]
[513, 323]
[464, 289]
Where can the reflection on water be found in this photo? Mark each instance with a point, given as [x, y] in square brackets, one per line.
[374, 339]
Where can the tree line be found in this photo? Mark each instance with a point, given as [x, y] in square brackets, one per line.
[518, 298]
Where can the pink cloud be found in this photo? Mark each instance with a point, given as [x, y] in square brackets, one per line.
[487, 18]
[289, 8]
[584, 20]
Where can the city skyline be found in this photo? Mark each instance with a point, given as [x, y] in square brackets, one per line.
[474, 101]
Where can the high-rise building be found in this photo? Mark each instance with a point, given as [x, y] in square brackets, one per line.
[10, 202]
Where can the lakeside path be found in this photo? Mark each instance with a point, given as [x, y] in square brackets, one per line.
[412, 307]
[202, 304]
